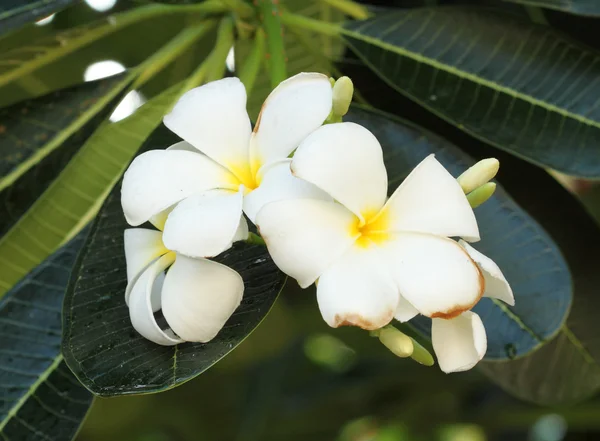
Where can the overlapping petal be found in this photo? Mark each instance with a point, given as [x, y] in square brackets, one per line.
[346, 161]
[496, 285]
[214, 120]
[459, 343]
[204, 225]
[157, 179]
[434, 274]
[199, 296]
[429, 201]
[277, 183]
[358, 290]
[405, 311]
[294, 109]
[142, 247]
[141, 308]
[305, 236]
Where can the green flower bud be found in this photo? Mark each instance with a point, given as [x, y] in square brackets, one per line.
[397, 342]
[481, 194]
[479, 174]
[343, 89]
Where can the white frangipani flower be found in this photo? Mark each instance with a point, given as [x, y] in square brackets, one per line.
[376, 259]
[197, 296]
[221, 152]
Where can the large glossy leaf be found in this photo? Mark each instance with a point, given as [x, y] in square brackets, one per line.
[75, 195]
[528, 256]
[581, 7]
[38, 138]
[521, 87]
[567, 369]
[40, 399]
[99, 343]
[14, 13]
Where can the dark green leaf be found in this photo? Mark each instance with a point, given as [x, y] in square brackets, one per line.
[580, 7]
[568, 368]
[40, 399]
[14, 13]
[528, 257]
[99, 343]
[521, 87]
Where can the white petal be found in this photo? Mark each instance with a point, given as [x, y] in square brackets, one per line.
[242, 230]
[294, 109]
[204, 225]
[430, 201]
[405, 311]
[277, 183]
[142, 247]
[157, 179]
[346, 161]
[357, 290]
[458, 343]
[140, 304]
[496, 285]
[434, 274]
[213, 119]
[305, 236]
[199, 296]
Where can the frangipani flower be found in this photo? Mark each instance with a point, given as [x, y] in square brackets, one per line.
[221, 152]
[197, 296]
[375, 259]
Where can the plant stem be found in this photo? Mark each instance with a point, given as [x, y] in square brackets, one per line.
[243, 9]
[270, 17]
[222, 47]
[249, 70]
[310, 24]
[350, 8]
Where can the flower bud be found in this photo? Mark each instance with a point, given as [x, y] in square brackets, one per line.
[343, 89]
[481, 194]
[397, 342]
[479, 174]
[421, 355]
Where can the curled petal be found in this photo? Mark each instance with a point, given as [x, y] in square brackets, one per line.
[429, 201]
[199, 296]
[346, 161]
[277, 183]
[357, 290]
[148, 286]
[434, 274]
[459, 343]
[204, 225]
[305, 236]
[496, 285]
[213, 119]
[405, 311]
[294, 109]
[157, 179]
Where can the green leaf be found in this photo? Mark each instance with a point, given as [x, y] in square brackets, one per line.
[521, 87]
[39, 137]
[567, 369]
[580, 7]
[73, 198]
[39, 397]
[527, 255]
[14, 13]
[99, 343]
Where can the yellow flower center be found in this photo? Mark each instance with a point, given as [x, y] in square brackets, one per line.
[373, 230]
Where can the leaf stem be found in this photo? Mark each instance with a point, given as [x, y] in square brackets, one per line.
[222, 47]
[243, 9]
[270, 15]
[350, 8]
[310, 24]
[249, 70]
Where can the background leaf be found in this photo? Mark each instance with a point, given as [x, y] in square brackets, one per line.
[99, 343]
[568, 368]
[40, 399]
[14, 13]
[521, 87]
[528, 257]
[581, 7]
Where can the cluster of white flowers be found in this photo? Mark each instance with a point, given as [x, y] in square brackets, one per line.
[324, 215]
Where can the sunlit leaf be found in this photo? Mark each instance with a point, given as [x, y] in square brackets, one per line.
[99, 342]
[528, 256]
[523, 88]
[40, 398]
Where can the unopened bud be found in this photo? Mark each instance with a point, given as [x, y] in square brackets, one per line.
[421, 355]
[481, 194]
[343, 89]
[397, 342]
[478, 175]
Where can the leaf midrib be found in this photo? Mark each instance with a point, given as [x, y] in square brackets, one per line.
[466, 75]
